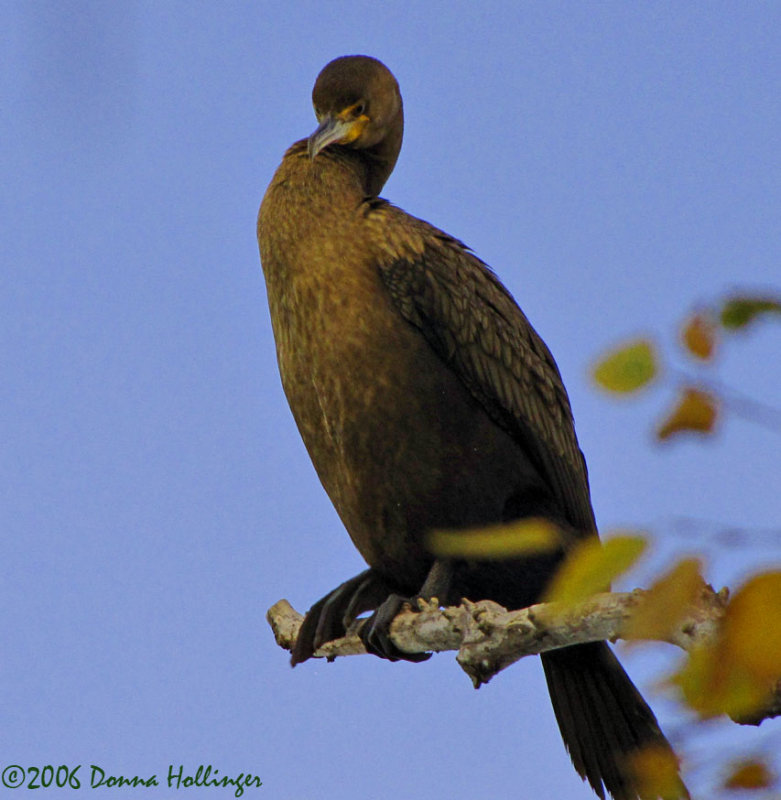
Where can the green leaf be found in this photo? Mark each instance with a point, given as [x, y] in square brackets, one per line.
[739, 311]
[627, 368]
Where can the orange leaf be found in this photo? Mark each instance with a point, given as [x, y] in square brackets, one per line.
[699, 335]
[666, 602]
[696, 411]
[753, 774]
[656, 771]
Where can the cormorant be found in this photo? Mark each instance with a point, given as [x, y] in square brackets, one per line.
[426, 401]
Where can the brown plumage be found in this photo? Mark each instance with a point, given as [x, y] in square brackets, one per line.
[426, 400]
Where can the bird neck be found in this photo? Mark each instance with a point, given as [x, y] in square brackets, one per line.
[379, 162]
[369, 167]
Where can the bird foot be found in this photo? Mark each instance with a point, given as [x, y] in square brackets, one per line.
[375, 633]
[330, 616]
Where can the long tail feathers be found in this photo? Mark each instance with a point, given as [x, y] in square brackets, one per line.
[603, 718]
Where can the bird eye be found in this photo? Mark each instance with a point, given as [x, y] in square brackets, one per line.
[360, 108]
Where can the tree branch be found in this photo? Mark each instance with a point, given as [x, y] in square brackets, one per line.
[489, 638]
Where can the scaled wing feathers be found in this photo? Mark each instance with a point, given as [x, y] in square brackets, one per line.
[475, 326]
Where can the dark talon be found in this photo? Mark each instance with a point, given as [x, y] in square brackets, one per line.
[329, 617]
[375, 633]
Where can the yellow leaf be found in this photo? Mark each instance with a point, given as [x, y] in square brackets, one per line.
[741, 310]
[591, 566]
[656, 771]
[496, 542]
[699, 335]
[695, 411]
[752, 627]
[712, 686]
[627, 368]
[751, 774]
[737, 673]
[666, 602]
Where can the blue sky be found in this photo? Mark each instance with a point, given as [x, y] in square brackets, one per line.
[615, 163]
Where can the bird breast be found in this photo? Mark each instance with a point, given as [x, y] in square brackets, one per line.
[397, 440]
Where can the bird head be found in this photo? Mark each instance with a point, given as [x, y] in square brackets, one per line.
[358, 105]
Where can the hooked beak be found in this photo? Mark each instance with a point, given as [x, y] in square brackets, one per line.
[331, 130]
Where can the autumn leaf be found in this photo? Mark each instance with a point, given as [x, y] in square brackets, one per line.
[627, 368]
[591, 566]
[752, 631]
[741, 310]
[696, 411]
[736, 675]
[666, 602]
[750, 774]
[496, 542]
[699, 335]
[656, 772]
[710, 687]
